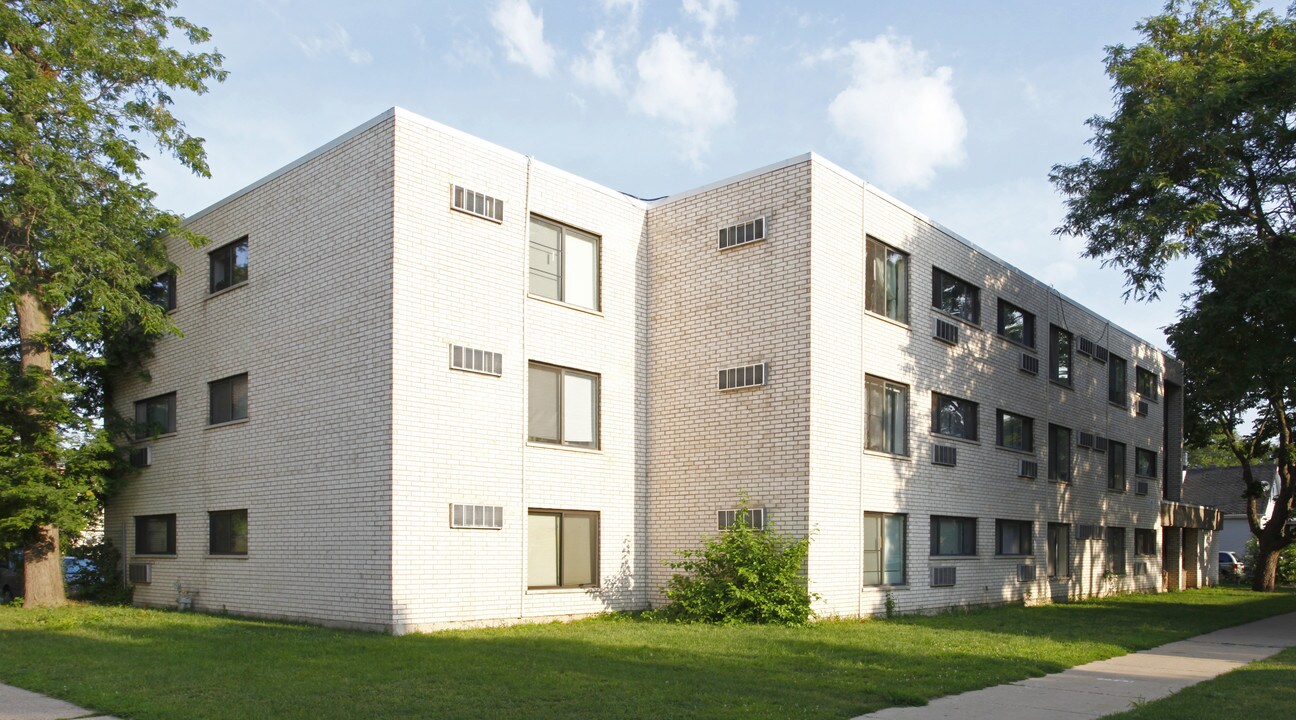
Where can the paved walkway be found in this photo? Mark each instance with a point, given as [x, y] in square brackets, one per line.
[1111, 686]
[18, 704]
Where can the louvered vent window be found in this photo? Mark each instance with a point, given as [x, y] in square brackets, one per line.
[477, 361]
[746, 376]
[479, 204]
[944, 455]
[742, 234]
[946, 332]
[943, 576]
[1029, 364]
[755, 518]
[480, 517]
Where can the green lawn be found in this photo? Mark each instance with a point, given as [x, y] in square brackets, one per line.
[1265, 689]
[150, 664]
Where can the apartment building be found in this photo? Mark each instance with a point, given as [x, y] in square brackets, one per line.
[426, 381]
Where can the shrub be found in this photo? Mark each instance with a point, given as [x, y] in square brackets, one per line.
[1286, 563]
[743, 575]
[98, 578]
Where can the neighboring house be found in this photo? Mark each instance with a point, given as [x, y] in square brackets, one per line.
[1222, 488]
[426, 381]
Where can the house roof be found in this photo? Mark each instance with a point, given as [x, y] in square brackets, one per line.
[1221, 487]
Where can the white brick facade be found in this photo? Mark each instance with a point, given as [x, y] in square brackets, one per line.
[359, 436]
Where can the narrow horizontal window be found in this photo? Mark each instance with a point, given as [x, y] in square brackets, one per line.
[743, 377]
[474, 360]
[742, 233]
[476, 203]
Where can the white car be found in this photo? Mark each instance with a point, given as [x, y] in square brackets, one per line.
[1230, 567]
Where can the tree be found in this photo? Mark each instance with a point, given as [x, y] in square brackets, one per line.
[1199, 160]
[81, 83]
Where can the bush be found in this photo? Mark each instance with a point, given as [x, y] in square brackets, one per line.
[98, 577]
[1286, 563]
[743, 575]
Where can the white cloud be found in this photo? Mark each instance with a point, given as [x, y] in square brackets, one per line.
[599, 69]
[337, 42]
[522, 35]
[900, 114]
[678, 87]
[710, 13]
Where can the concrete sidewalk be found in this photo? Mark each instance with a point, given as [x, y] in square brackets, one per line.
[16, 704]
[1111, 686]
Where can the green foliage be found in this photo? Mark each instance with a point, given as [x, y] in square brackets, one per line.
[82, 84]
[1286, 574]
[100, 581]
[743, 575]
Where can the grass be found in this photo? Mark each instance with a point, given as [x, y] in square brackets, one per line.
[1265, 689]
[152, 664]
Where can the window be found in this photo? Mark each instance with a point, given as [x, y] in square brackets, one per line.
[564, 264]
[1144, 541]
[228, 399]
[229, 265]
[1060, 357]
[1059, 453]
[161, 291]
[1116, 381]
[155, 534]
[228, 532]
[887, 416]
[742, 233]
[954, 417]
[956, 297]
[753, 518]
[1013, 537]
[1145, 383]
[887, 284]
[562, 406]
[1016, 324]
[475, 203]
[953, 535]
[1016, 432]
[1115, 466]
[1115, 537]
[884, 549]
[562, 549]
[1145, 462]
[155, 416]
[1059, 550]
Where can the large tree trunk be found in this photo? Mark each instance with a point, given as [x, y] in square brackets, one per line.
[42, 564]
[1265, 573]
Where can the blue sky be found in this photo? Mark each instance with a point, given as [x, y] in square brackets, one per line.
[957, 108]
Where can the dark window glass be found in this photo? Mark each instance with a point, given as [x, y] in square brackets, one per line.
[1144, 541]
[1060, 358]
[228, 399]
[161, 291]
[956, 297]
[954, 416]
[229, 265]
[953, 535]
[1013, 537]
[1059, 550]
[155, 416]
[229, 532]
[884, 549]
[1016, 324]
[1015, 432]
[1115, 466]
[1116, 550]
[1145, 462]
[1145, 384]
[155, 534]
[1116, 381]
[887, 282]
[1059, 453]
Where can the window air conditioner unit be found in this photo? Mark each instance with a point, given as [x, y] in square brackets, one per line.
[943, 576]
[944, 455]
[1029, 364]
[1028, 469]
[946, 332]
[140, 573]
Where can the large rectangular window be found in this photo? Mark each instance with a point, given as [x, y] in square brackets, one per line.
[953, 535]
[1013, 537]
[954, 417]
[1115, 466]
[564, 264]
[884, 549]
[1115, 537]
[1145, 462]
[957, 297]
[155, 416]
[228, 399]
[228, 532]
[562, 548]
[1117, 382]
[1144, 541]
[1059, 550]
[1015, 432]
[888, 404]
[1145, 383]
[562, 406]
[1016, 324]
[1061, 358]
[155, 534]
[887, 283]
[1059, 453]
[229, 265]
